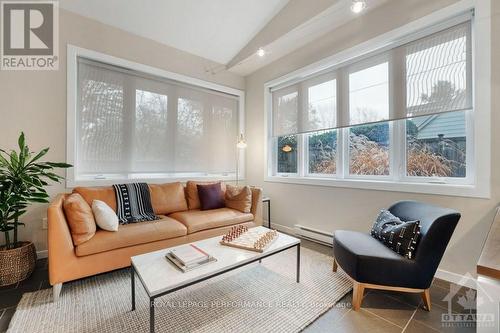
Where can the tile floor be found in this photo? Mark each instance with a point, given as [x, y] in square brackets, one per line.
[383, 311]
[380, 312]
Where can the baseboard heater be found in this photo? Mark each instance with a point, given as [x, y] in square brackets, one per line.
[314, 235]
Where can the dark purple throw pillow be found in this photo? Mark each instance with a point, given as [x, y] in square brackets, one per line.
[211, 196]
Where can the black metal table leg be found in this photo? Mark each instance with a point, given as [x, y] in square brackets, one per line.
[151, 315]
[269, 214]
[298, 263]
[132, 279]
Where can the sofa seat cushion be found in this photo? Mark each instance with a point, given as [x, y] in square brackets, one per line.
[367, 260]
[132, 234]
[197, 220]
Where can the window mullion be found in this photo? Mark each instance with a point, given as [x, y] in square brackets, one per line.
[172, 110]
[129, 96]
[301, 155]
[302, 104]
[397, 98]
[343, 118]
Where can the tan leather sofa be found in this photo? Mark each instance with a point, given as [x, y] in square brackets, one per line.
[106, 251]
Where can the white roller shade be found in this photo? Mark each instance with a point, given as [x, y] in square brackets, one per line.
[429, 75]
[438, 72]
[133, 123]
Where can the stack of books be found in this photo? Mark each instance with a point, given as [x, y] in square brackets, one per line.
[188, 257]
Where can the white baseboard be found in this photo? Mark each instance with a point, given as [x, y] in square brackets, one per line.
[42, 254]
[467, 281]
[283, 228]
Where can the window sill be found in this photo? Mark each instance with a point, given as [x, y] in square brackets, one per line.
[150, 180]
[472, 191]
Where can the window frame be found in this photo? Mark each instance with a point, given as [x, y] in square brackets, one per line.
[478, 133]
[469, 157]
[73, 53]
[275, 157]
[322, 78]
[306, 159]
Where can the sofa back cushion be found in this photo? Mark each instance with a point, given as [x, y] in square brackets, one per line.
[105, 194]
[193, 199]
[211, 196]
[168, 198]
[239, 198]
[80, 218]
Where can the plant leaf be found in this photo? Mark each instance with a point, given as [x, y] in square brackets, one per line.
[38, 156]
[41, 200]
[21, 141]
[59, 164]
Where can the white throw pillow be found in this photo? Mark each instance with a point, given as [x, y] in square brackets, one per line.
[105, 217]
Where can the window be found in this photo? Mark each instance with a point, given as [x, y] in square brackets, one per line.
[402, 115]
[321, 105]
[369, 150]
[287, 154]
[322, 153]
[436, 146]
[134, 125]
[369, 94]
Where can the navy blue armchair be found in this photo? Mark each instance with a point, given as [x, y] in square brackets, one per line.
[372, 265]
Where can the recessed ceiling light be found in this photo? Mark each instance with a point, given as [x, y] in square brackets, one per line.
[358, 6]
[261, 52]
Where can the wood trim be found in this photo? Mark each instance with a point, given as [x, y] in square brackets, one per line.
[358, 291]
[426, 297]
[489, 262]
[391, 288]
[488, 271]
[359, 288]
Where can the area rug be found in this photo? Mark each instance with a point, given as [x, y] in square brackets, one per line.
[257, 298]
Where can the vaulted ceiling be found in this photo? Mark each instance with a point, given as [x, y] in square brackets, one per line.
[225, 31]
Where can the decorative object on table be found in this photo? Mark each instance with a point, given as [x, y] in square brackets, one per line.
[188, 257]
[249, 239]
[23, 178]
[239, 198]
[133, 203]
[371, 264]
[241, 144]
[401, 237]
[211, 196]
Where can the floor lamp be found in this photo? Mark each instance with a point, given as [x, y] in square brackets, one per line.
[242, 144]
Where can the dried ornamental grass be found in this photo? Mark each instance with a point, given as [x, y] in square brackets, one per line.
[424, 163]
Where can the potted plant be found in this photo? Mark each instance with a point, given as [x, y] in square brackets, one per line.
[23, 177]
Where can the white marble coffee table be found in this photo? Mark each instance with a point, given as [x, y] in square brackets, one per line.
[160, 277]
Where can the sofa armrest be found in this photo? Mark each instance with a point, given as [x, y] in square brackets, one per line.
[62, 257]
[256, 209]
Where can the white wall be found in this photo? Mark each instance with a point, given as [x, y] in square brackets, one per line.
[35, 101]
[332, 208]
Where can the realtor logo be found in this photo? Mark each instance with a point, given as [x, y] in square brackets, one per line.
[29, 35]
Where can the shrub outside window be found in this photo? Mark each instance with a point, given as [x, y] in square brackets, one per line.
[322, 152]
